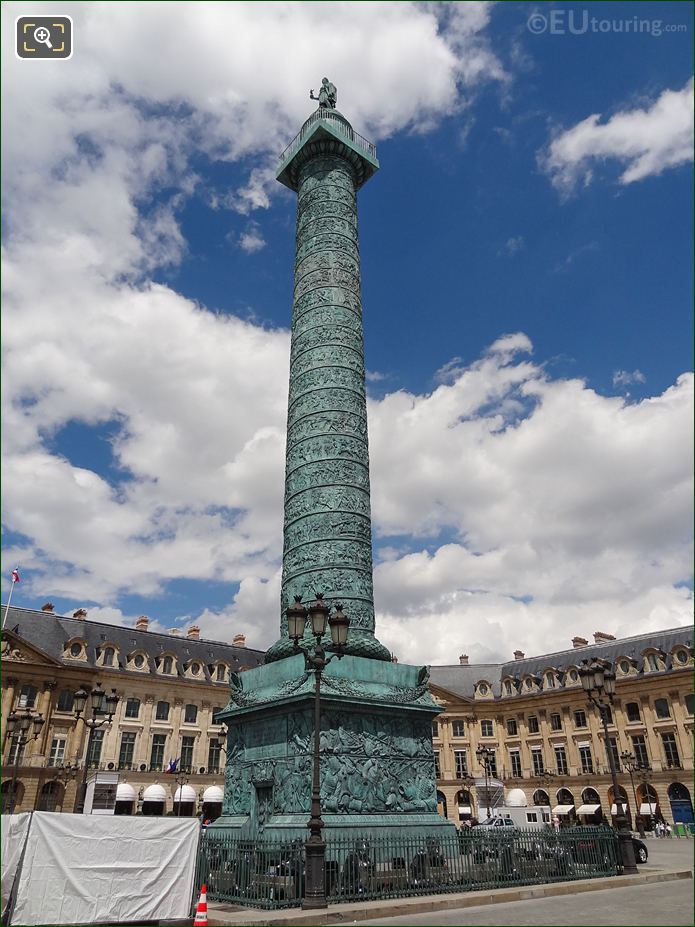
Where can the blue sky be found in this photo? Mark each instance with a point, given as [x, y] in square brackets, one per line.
[520, 485]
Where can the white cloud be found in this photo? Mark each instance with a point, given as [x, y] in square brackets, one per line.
[645, 141]
[625, 378]
[252, 239]
[543, 509]
[514, 244]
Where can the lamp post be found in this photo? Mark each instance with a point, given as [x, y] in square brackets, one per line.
[645, 776]
[629, 761]
[485, 756]
[180, 779]
[17, 732]
[100, 704]
[318, 615]
[598, 681]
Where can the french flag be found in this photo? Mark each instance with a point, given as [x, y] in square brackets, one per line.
[171, 768]
[15, 576]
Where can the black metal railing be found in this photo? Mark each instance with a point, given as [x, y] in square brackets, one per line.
[339, 122]
[269, 873]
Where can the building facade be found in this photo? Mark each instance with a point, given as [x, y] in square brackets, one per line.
[169, 687]
[546, 741]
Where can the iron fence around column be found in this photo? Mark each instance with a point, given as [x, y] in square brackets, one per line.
[267, 873]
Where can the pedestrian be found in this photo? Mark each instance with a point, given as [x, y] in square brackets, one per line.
[669, 830]
[556, 823]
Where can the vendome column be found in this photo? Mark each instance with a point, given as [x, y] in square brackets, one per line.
[377, 764]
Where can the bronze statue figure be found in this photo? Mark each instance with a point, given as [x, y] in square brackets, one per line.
[328, 95]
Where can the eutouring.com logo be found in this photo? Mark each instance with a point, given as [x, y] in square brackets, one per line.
[580, 22]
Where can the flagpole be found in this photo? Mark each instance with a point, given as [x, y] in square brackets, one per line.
[4, 617]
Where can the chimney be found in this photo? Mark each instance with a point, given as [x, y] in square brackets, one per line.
[239, 640]
[394, 658]
[141, 623]
[174, 632]
[463, 659]
[48, 607]
[81, 613]
[601, 637]
[579, 642]
[519, 654]
[193, 633]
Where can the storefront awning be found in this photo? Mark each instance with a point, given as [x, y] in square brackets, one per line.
[563, 809]
[614, 808]
[646, 808]
[125, 792]
[588, 809]
[464, 809]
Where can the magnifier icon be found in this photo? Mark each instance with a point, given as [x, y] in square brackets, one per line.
[42, 35]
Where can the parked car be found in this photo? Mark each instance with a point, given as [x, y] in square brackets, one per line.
[641, 851]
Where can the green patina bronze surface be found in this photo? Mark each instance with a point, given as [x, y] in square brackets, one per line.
[327, 532]
[377, 767]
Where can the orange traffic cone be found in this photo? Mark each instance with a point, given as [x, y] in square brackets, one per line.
[201, 914]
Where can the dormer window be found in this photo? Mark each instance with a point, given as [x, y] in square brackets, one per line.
[221, 672]
[550, 680]
[681, 656]
[168, 665]
[139, 661]
[624, 666]
[483, 689]
[109, 656]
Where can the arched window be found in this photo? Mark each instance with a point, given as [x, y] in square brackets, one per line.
[167, 665]
[221, 672]
[653, 663]
[590, 797]
[109, 655]
[49, 796]
[540, 797]
[464, 805]
[12, 795]
[549, 681]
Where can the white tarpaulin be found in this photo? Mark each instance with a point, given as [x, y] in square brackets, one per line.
[81, 869]
[14, 834]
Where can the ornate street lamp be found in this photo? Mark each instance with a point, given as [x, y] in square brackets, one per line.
[17, 732]
[100, 704]
[598, 681]
[318, 615]
[485, 757]
[629, 761]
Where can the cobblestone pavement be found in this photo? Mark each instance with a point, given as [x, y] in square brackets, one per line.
[668, 903]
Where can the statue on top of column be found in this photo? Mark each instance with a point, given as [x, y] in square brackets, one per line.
[328, 95]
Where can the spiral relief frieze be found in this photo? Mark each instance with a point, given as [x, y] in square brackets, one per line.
[327, 536]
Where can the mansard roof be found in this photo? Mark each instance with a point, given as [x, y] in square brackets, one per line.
[461, 679]
[51, 632]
